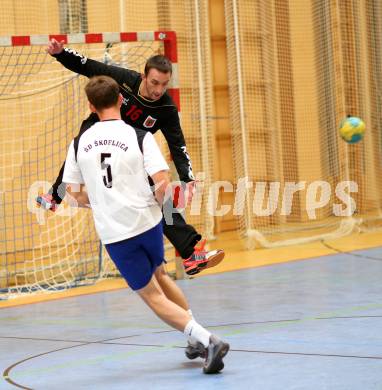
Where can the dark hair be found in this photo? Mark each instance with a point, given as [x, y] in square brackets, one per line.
[158, 62]
[102, 92]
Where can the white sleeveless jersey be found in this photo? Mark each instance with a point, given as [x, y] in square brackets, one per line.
[114, 171]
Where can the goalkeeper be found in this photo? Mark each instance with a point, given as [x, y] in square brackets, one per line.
[146, 105]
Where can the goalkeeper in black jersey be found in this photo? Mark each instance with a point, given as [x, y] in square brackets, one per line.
[148, 106]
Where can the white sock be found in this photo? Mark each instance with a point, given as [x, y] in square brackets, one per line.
[197, 332]
[191, 340]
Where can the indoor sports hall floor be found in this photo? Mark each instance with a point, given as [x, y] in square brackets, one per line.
[307, 317]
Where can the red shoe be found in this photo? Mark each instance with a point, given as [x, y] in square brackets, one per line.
[47, 202]
[201, 259]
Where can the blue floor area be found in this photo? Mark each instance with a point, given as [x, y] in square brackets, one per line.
[313, 324]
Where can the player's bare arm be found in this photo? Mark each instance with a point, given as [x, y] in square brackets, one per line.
[78, 197]
[161, 182]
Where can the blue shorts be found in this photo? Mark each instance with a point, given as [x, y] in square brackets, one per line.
[138, 257]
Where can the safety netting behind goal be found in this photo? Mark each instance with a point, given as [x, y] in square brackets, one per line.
[42, 106]
[312, 64]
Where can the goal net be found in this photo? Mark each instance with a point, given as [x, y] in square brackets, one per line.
[42, 106]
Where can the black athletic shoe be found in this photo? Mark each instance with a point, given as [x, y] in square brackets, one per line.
[216, 351]
[194, 351]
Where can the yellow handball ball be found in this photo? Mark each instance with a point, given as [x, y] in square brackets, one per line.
[352, 129]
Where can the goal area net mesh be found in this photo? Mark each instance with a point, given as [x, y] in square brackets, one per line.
[263, 87]
[42, 106]
[312, 64]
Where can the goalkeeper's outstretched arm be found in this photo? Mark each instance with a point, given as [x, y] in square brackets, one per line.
[79, 63]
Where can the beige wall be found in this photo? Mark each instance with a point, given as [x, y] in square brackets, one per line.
[29, 17]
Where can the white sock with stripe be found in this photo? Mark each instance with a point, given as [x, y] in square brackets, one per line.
[191, 340]
[197, 332]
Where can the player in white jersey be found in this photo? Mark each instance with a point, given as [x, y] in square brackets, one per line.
[113, 160]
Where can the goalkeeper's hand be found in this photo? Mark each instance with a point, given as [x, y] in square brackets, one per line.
[55, 47]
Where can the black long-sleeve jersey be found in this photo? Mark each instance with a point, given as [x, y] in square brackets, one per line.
[137, 111]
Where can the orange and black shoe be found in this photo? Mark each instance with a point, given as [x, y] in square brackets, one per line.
[47, 202]
[202, 259]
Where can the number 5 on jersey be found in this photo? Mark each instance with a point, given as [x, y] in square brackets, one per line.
[106, 170]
